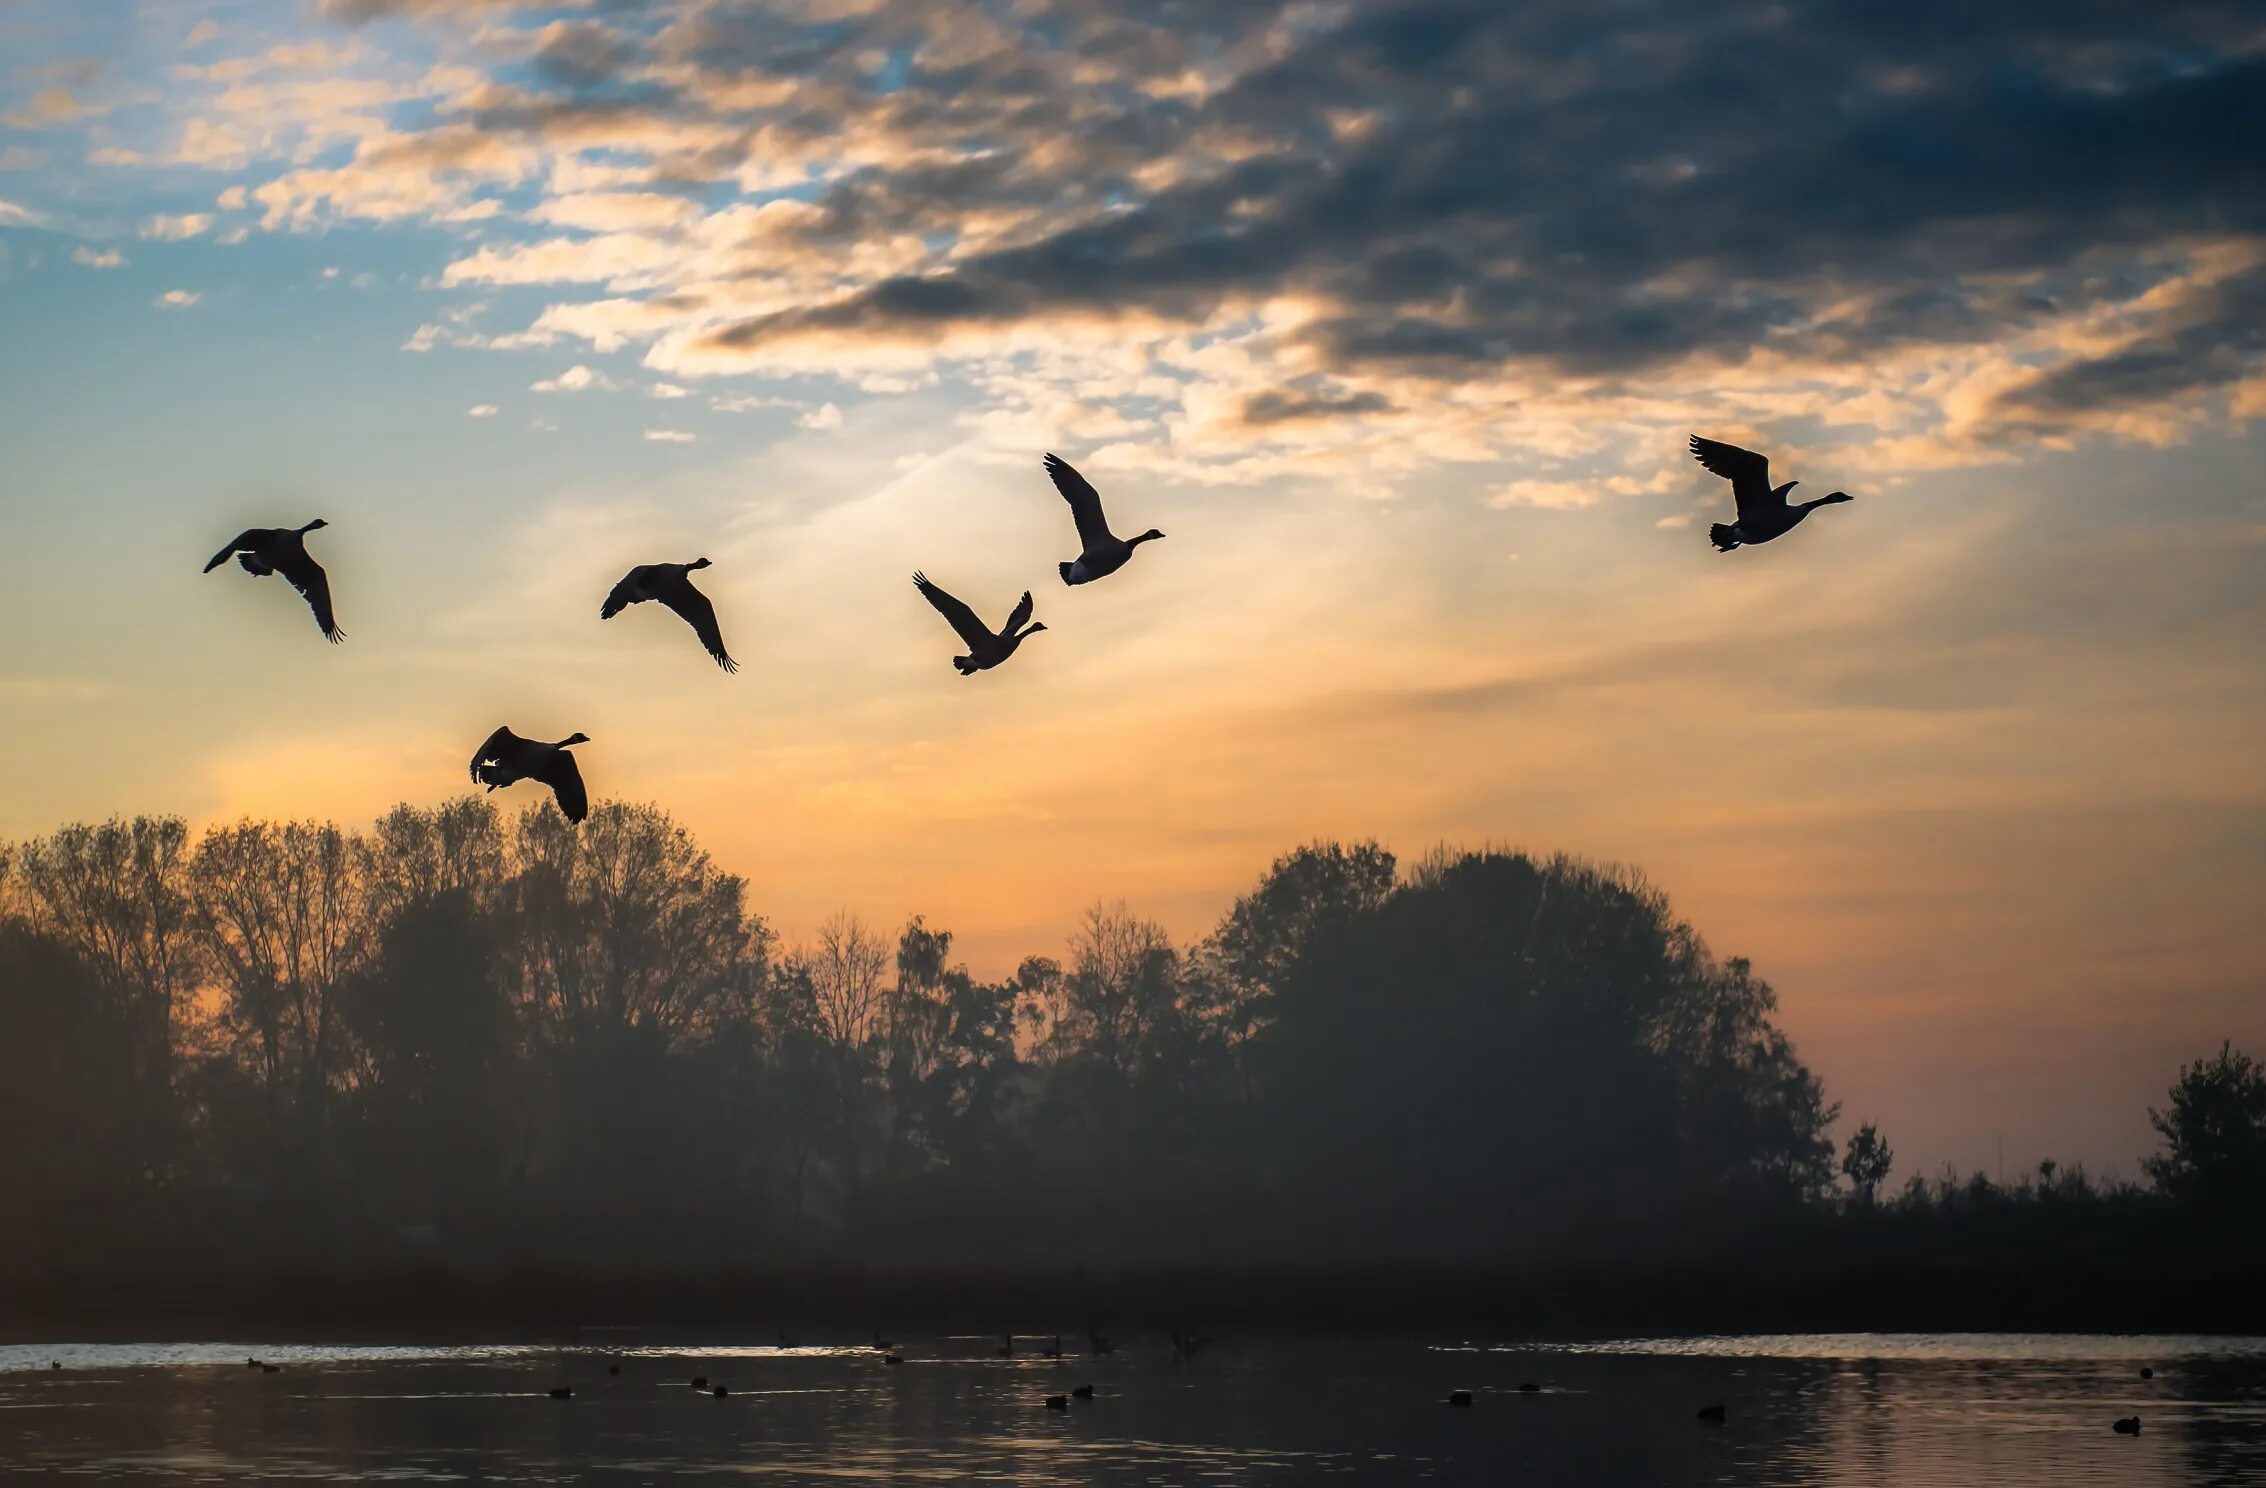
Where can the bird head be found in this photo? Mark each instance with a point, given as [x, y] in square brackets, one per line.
[574, 739]
[697, 563]
[1149, 536]
[1031, 629]
[1835, 496]
[311, 526]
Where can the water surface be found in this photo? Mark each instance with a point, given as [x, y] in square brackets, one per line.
[1904, 1409]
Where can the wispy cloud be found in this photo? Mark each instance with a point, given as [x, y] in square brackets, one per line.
[98, 258]
[670, 436]
[575, 379]
[177, 299]
[481, 410]
[175, 227]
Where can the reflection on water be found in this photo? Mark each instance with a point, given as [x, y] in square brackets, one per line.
[1905, 1409]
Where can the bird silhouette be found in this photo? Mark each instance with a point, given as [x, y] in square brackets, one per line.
[267, 550]
[986, 649]
[1459, 1397]
[1764, 512]
[1058, 1402]
[1105, 552]
[2129, 1426]
[507, 758]
[671, 584]
[1083, 1392]
[1712, 1413]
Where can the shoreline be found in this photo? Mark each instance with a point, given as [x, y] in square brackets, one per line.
[556, 1305]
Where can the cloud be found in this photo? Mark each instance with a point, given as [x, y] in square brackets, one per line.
[22, 157]
[1339, 243]
[12, 215]
[669, 436]
[177, 299]
[202, 32]
[481, 410]
[174, 228]
[667, 390]
[575, 379]
[1546, 495]
[51, 106]
[105, 258]
[617, 211]
[825, 416]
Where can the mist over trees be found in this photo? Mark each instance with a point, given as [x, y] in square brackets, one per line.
[465, 1038]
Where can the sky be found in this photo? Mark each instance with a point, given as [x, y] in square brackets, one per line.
[1395, 317]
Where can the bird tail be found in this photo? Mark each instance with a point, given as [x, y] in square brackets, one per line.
[964, 665]
[1724, 538]
[1065, 569]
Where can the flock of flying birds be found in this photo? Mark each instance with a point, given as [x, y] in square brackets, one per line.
[505, 758]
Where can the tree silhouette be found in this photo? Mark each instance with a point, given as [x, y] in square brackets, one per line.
[1868, 1159]
[2214, 1132]
[520, 1041]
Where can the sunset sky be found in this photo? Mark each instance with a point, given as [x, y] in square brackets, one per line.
[1394, 317]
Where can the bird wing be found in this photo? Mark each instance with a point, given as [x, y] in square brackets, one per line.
[499, 743]
[1085, 503]
[240, 541]
[560, 773]
[1748, 473]
[307, 576]
[1019, 614]
[698, 613]
[624, 594]
[963, 619]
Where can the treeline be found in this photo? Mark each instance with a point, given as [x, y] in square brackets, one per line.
[483, 1042]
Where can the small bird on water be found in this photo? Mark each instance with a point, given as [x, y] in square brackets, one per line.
[2129, 1426]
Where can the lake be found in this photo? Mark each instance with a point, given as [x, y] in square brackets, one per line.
[1905, 1409]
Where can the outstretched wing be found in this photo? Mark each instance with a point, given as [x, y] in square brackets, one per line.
[565, 780]
[237, 543]
[624, 594]
[698, 613]
[963, 619]
[495, 748]
[1748, 473]
[1085, 503]
[1019, 614]
[307, 576]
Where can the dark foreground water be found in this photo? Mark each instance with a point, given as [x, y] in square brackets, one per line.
[1909, 1410]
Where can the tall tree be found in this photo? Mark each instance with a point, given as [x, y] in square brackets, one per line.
[2214, 1132]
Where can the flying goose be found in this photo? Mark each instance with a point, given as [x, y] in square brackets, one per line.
[266, 550]
[1764, 512]
[985, 650]
[671, 583]
[506, 758]
[1105, 552]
